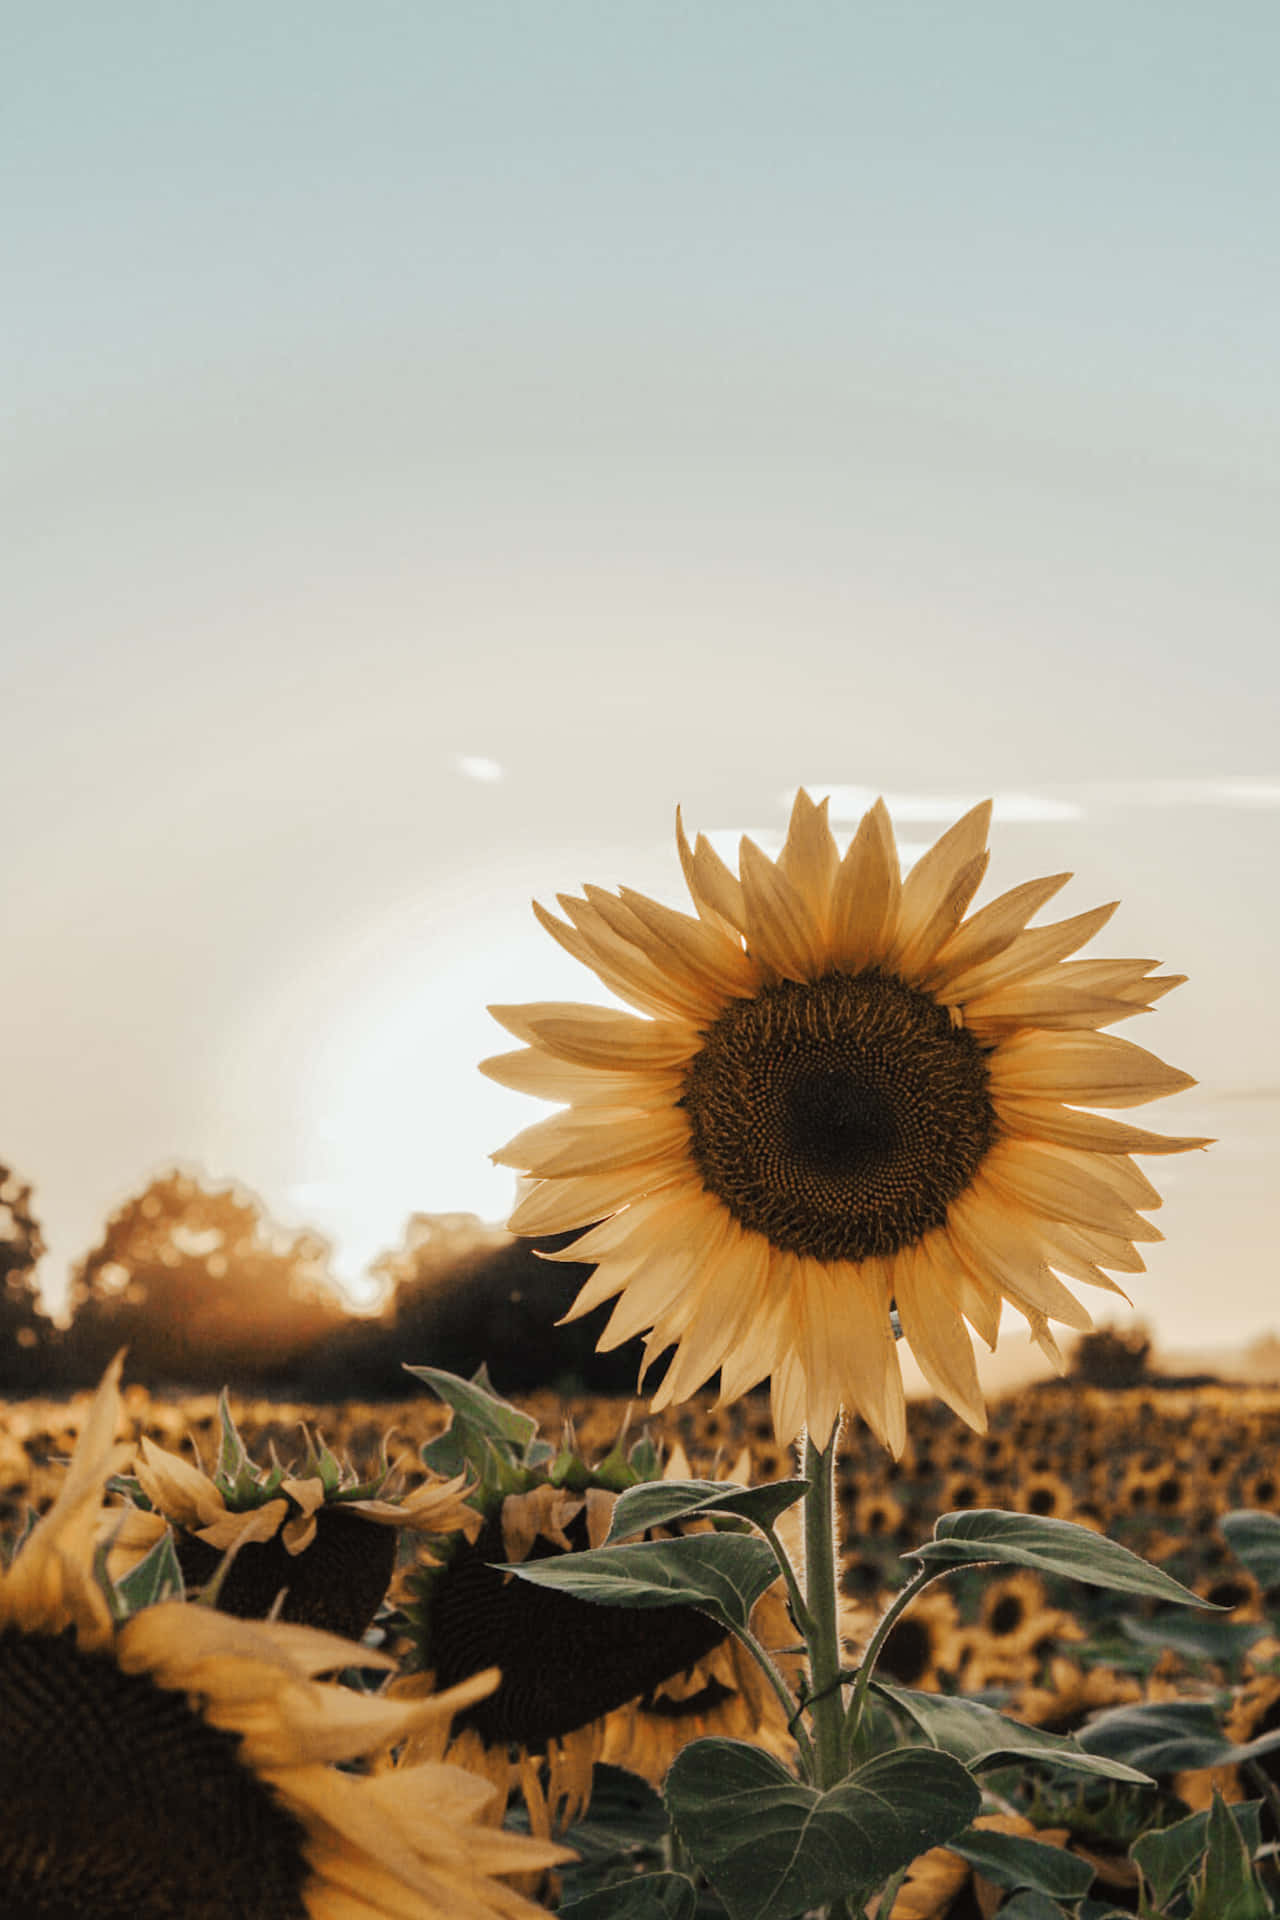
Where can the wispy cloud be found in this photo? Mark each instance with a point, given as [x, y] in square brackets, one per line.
[476, 767]
[1230, 790]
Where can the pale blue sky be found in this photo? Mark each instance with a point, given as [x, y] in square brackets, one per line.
[662, 402]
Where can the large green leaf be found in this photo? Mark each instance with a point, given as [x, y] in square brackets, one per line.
[724, 1574]
[654, 1896]
[1162, 1737]
[1169, 1856]
[1229, 1888]
[979, 1534]
[1254, 1538]
[660, 1502]
[1014, 1860]
[773, 1847]
[984, 1739]
[1213, 1639]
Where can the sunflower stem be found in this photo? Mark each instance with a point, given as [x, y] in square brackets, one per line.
[826, 1706]
[798, 1731]
[871, 1653]
[795, 1593]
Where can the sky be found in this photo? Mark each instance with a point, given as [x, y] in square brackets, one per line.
[441, 439]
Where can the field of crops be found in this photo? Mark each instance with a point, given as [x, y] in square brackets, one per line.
[1156, 1469]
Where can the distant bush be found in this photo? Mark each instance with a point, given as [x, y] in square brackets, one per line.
[1111, 1357]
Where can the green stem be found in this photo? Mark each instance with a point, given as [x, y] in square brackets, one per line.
[889, 1619]
[799, 1732]
[871, 1653]
[799, 1611]
[826, 1710]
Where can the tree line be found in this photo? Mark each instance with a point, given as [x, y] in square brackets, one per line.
[206, 1290]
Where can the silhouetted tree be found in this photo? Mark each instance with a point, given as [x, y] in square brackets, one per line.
[26, 1331]
[459, 1293]
[203, 1288]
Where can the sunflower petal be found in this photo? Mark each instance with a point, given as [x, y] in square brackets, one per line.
[864, 902]
[936, 1334]
[715, 890]
[938, 889]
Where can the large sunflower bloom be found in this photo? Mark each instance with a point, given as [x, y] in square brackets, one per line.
[839, 1097]
[181, 1763]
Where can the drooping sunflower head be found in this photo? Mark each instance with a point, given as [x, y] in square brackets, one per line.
[312, 1542]
[181, 1762]
[838, 1098]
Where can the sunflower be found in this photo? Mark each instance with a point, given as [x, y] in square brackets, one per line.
[315, 1532]
[181, 1762]
[837, 1097]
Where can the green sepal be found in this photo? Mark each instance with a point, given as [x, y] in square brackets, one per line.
[156, 1577]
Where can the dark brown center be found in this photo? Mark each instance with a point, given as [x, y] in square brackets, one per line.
[564, 1661]
[838, 1117]
[337, 1583]
[118, 1801]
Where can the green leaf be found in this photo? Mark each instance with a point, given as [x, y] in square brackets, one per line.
[654, 1896]
[481, 1408]
[979, 1534]
[1163, 1737]
[1254, 1538]
[724, 1574]
[1031, 1905]
[1224, 1641]
[660, 1502]
[773, 1847]
[1229, 1888]
[1013, 1860]
[984, 1739]
[1168, 1857]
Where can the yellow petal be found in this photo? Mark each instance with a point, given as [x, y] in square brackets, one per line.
[1042, 1119]
[1096, 1069]
[935, 1331]
[570, 1144]
[715, 890]
[938, 889]
[782, 930]
[992, 929]
[1027, 953]
[557, 1206]
[809, 858]
[864, 904]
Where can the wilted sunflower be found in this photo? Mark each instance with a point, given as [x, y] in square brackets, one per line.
[838, 1097]
[180, 1762]
[315, 1533]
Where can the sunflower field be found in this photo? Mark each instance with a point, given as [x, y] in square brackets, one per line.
[1188, 1698]
[766, 1658]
